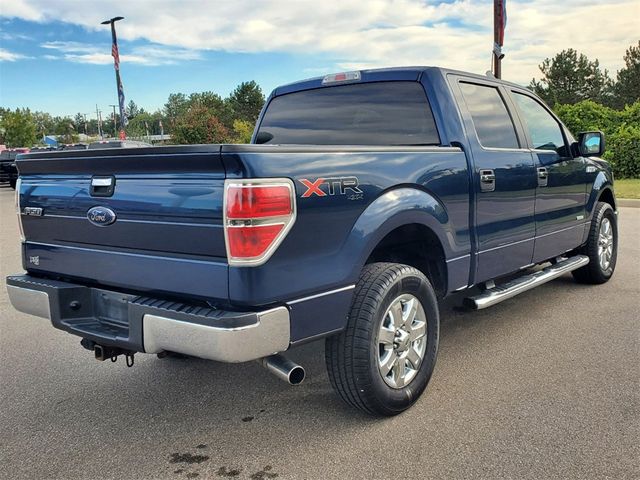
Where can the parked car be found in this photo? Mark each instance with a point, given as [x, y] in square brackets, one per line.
[118, 144]
[74, 146]
[365, 198]
[43, 149]
[8, 170]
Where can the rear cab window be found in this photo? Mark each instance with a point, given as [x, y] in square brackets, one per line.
[491, 120]
[380, 113]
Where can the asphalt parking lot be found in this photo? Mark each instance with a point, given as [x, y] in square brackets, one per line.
[545, 385]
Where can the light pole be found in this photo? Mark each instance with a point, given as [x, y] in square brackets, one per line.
[115, 126]
[499, 24]
[99, 119]
[116, 64]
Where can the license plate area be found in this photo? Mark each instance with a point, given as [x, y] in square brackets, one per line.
[111, 308]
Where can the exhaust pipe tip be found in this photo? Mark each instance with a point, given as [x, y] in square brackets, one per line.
[284, 369]
[297, 375]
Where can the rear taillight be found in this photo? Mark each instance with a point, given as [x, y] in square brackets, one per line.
[18, 209]
[258, 214]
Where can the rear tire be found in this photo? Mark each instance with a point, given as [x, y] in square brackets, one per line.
[601, 247]
[381, 363]
[13, 182]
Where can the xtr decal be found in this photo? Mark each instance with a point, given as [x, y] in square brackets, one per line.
[333, 186]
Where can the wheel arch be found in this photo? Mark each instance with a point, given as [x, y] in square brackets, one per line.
[601, 191]
[416, 245]
[379, 232]
[607, 196]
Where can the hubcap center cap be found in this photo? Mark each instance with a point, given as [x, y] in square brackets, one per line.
[402, 340]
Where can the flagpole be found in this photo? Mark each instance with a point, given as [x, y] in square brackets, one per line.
[499, 23]
[116, 64]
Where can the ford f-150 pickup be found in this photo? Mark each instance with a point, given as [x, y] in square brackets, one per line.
[364, 198]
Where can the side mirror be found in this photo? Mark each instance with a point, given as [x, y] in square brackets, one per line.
[263, 137]
[591, 144]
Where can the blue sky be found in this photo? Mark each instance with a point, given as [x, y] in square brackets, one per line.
[46, 76]
[65, 67]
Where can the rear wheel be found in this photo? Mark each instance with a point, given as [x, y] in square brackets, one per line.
[381, 363]
[13, 182]
[601, 247]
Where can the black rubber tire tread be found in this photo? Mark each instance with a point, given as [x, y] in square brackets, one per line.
[348, 373]
[592, 273]
[13, 182]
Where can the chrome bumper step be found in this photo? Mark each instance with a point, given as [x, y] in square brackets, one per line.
[521, 284]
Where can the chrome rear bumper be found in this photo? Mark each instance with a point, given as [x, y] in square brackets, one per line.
[151, 325]
[270, 334]
[29, 301]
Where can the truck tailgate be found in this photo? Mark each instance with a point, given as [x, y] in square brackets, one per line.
[167, 235]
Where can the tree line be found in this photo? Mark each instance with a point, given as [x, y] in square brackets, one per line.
[586, 97]
[203, 117]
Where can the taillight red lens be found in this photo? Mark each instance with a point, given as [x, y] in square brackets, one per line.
[258, 215]
[248, 242]
[257, 201]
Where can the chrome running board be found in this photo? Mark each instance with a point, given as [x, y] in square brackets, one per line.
[521, 284]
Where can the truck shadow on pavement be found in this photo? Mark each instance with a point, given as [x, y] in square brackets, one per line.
[214, 420]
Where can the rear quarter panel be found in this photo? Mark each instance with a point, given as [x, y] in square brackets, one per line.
[334, 234]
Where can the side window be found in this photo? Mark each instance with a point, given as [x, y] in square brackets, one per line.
[543, 129]
[490, 116]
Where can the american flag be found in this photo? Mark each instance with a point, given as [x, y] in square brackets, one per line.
[116, 56]
[502, 21]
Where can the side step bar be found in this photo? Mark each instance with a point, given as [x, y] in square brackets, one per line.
[521, 284]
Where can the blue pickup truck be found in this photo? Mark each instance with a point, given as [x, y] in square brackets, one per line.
[364, 199]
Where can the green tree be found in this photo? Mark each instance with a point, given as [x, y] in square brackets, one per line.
[79, 123]
[215, 104]
[18, 128]
[141, 125]
[621, 127]
[588, 115]
[570, 77]
[176, 106]
[65, 130]
[246, 101]
[199, 125]
[242, 131]
[44, 124]
[627, 87]
[132, 109]
[623, 151]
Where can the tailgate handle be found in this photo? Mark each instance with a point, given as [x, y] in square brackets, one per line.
[103, 186]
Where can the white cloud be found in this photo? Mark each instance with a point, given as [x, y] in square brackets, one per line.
[7, 56]
[355, 33]
[13, 36]
[150, 55]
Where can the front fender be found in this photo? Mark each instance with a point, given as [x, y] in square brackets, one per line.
[393, 209]
[601, 184]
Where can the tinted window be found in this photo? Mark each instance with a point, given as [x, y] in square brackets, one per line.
[385, 113]
[543, 129]
[490, 116]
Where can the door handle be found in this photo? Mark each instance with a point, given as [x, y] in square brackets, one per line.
[543, 176]
[487, 181]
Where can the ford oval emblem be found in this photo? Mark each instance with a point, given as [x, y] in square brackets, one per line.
[101, 216]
